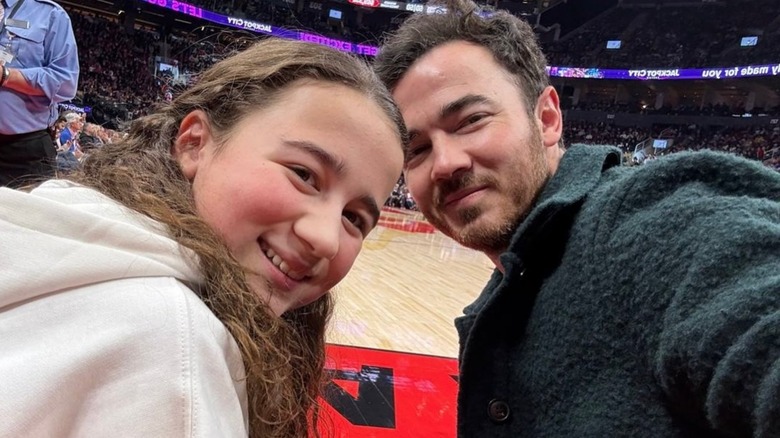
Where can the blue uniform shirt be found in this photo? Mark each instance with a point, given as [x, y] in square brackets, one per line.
[47, 57]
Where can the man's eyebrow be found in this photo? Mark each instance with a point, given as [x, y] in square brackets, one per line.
[330, 161]
[465, 101]
[337, 166]
[453, 107]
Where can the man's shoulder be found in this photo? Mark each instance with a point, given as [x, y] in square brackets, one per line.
[50, 3]
[685, 188]
[715, 170]
[704, 157]
[36, 10]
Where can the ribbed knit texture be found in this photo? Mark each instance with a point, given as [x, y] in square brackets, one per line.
[637, 302]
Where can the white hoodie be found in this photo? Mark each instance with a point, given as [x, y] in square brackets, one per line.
[99, 334]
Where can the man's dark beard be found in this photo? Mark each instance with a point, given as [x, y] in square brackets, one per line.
[469, 214]
[488, 240]
[497, 239]
[484, 240]
[459, 182]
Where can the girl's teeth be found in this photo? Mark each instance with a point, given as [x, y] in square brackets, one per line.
[286, 269]
[295, 276]
[282, 265]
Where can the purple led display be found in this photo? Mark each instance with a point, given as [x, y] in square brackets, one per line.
[561, 72]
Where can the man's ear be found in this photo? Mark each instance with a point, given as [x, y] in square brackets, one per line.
[188, 148]
[549, 116]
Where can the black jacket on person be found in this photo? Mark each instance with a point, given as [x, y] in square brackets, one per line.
[636, 302]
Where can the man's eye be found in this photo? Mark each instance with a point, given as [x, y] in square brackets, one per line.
[414, 151]
[470, 120]
[356, 220]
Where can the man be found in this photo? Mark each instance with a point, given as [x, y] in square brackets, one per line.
[38, 69]
[90, 137]
[70, 152]
[70, 137]
[625, 302]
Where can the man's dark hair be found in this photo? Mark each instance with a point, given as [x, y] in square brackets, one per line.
[510, 39]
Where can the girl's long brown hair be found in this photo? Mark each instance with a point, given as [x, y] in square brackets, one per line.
[283, 357]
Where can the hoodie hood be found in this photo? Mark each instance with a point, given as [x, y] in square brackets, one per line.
[63, 235]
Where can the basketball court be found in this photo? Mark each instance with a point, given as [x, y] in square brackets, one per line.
[393, 345]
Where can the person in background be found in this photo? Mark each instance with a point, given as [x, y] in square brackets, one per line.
[639, 301]
[39, 68]
[176, 284]
[56, 129]
[69, 137]
[69, 151]
[90, 137]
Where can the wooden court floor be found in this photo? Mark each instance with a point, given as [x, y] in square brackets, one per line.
[392, 343]
[406, 288]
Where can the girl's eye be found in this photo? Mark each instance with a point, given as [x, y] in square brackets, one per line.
[356, 221]
[304, 174]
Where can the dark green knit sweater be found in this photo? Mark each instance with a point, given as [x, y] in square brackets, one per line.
[641, 302]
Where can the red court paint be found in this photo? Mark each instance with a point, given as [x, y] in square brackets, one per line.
[408, 225]
[397, 210]
[384, 394]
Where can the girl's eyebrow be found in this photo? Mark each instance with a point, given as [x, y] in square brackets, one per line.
[335, 164]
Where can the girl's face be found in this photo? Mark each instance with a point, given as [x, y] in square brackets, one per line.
[296, 188]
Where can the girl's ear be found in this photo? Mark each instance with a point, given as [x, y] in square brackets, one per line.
[194, 134]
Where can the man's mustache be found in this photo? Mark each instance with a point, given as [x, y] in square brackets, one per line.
[456, 183]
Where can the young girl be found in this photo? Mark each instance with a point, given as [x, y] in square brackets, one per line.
[176, 285]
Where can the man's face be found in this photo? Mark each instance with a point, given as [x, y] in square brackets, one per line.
[477, 160]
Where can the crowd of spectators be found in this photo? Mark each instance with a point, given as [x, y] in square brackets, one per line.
[703, 34]
[115, 77]
[707, 110]
[581, 46]
[626, 138]
[75, 139]
[400, 197]
[694, 34]
[118, 77]
[759, 143]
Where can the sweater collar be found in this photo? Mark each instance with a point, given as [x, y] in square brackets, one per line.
[578, 173]
[545, 227]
